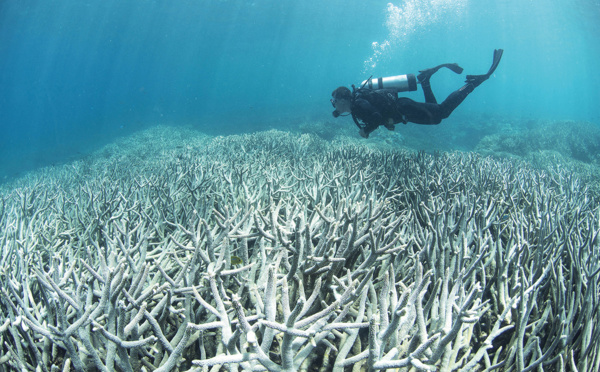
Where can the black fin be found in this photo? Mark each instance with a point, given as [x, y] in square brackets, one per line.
[476, 80]
[454, 67]
[426, 74]
[497, 57]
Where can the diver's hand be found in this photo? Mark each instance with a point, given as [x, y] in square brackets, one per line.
[363, 134]
[389, 124]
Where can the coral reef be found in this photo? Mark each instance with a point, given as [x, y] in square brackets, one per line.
[572, 139]
[282, 252]
[571, 145]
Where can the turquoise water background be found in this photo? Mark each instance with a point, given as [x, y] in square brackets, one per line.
[75, 75]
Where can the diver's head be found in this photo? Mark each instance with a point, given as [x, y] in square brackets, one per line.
[341, 101]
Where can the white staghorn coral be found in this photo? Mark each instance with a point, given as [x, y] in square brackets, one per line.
[282, 253]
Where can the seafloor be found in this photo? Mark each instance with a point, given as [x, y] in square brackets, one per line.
[171, 250]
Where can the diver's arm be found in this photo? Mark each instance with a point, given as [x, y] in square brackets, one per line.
[366, 112]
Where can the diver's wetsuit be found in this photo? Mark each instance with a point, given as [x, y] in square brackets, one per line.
[372, 108]
[375, 108]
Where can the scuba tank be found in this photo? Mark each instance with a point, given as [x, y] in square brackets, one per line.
[401, 83]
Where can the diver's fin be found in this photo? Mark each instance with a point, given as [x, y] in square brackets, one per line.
[454, 67]
[426, 74]
[475, 80]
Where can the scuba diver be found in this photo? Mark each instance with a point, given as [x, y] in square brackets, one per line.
[377, 103]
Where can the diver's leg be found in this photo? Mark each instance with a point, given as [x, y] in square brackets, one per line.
[454, 99]
[429, 97]
[419, 112]
[472, 82]
[432, 113]
[425, 75]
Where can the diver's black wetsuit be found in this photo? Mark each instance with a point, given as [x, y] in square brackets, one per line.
[372, 108]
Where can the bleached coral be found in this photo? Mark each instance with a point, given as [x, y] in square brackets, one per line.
[279, 252]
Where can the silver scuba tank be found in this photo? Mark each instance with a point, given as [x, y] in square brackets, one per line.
[401, 83]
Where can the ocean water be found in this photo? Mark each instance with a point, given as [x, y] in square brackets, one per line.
[76, 75]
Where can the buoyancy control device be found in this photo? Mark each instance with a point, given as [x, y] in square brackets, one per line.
[401, 83]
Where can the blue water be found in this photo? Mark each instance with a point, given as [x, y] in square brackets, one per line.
[77, 74]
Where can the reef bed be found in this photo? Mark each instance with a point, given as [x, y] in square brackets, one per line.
[172, 251]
